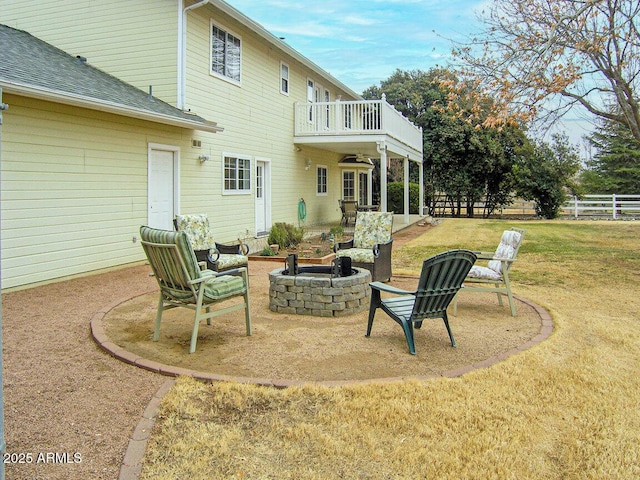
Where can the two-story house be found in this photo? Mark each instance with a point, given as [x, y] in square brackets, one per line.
[248, 129]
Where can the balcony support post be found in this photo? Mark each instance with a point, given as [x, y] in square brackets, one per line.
[406, 189]
[382, 150]
[421, 194]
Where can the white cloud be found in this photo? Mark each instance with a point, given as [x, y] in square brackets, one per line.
[362, 42]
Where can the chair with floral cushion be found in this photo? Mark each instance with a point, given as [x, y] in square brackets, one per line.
[218, 257]
[183, 284]
[371, 244]
[495, 276]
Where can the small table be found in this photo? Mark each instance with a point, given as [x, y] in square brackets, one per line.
[368, 208]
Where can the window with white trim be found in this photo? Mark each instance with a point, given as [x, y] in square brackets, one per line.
[348, 185]
[226, 54]
[284, 78]
[311, 86]
[237, 174]
[321, 180]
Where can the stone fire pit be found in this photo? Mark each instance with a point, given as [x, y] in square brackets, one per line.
[313, 291]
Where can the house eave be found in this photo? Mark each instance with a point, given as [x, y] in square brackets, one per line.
[360, 143]
[91, 103]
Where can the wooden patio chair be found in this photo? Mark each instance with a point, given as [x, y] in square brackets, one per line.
[349, 210]
[440, 280]
[219, 257]
[371, 244]
[183, 284]
[495, 276]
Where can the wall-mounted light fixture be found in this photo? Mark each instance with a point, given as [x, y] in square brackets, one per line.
[204, 158]
[307, 164]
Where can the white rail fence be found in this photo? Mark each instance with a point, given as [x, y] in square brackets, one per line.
[614, 206]
[601, 206]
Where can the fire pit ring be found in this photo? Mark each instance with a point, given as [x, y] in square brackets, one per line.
[315, 291]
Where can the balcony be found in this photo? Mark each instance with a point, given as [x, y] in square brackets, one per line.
[357, 127]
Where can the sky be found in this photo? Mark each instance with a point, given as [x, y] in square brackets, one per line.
[363, 42]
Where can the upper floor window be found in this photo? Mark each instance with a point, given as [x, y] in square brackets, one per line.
[237, 174]
[225, 54]
[284, 78]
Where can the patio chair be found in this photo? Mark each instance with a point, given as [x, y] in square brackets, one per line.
[219, 257]
[371, 244]
[495, 276]
[183, 284]
[440, 280]
[349, 210]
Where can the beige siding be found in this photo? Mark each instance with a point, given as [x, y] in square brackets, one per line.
[137, 42]
[258, 121]
[74, 182]
[74, 188]
[134, 41]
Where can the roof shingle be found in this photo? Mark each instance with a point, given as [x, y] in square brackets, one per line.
[32, 63]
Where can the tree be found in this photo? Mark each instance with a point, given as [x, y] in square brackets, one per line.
[615, 167]
[544, 175]
[465, 161]
[540, 58]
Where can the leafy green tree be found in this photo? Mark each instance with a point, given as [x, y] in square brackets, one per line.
[615, 167]
[544, 175]
[463, 160]
[395, 197]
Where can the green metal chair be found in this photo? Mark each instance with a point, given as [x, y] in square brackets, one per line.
[495, 276]
[183, 284]
[441, 278]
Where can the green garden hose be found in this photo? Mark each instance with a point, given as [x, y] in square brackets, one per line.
[302, 211]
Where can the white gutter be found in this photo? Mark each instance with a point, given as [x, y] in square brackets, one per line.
[91, 103]
[182, 50]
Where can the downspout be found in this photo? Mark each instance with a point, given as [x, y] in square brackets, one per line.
[182, 50]
[421, 193]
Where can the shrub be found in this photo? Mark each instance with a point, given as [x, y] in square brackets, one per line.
[267, 252]
[285, 235]
[395, 197]
[337, 231]
[278, 235]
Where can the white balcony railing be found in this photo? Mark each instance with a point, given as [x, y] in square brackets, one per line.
[364, 117]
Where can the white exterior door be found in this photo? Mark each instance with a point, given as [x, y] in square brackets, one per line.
[163, 182]
[262, 197]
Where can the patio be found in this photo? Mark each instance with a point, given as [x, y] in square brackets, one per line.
[289, 348]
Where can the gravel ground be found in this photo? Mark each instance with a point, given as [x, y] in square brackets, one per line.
[70, 408]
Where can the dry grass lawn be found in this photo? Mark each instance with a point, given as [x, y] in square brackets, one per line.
[568, 408]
